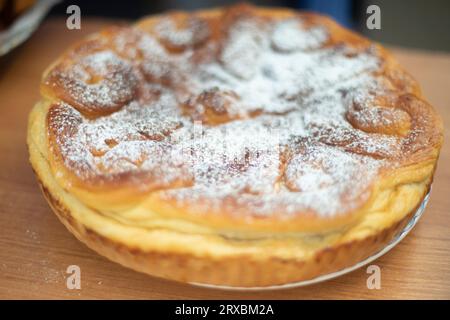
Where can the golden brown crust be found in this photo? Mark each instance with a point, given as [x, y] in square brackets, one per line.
[239, 271]
[339, 190]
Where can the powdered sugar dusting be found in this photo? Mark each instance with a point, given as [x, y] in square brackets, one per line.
[273, 101]
[290, 35]
[193, 32]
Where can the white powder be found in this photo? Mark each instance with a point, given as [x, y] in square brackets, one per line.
[285, 146]
[290, 35]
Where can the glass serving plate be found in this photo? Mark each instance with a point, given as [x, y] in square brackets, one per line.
[399, 237]
[24, 25]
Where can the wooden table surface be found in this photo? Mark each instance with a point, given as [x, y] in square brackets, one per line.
[36, 249]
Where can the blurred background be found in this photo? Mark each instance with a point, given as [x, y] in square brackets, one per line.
[413, 23]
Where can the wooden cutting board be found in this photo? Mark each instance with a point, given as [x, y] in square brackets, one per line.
[36, 249]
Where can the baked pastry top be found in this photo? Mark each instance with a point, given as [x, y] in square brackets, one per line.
[232, 133]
